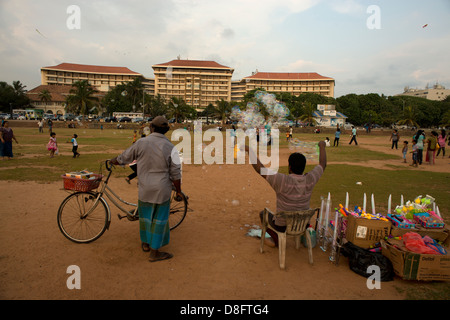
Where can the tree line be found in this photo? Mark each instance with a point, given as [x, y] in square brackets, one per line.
[360, 109]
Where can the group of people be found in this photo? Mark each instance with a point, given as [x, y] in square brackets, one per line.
[159, 172]
[337, 136]
[420, 142]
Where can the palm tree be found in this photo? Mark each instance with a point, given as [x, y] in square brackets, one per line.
[157, 106]
[308, 115]
[409, 117]
[222, 110]
[19, 88]
[178, 108]
[135, 90]
[45, 96]
[81, 98]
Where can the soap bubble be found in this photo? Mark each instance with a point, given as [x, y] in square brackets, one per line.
[265, 109]
[309, 149]
[169, 71]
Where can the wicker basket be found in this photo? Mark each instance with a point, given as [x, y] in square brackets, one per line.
[77, 184]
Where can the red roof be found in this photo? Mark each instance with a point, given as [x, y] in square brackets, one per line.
[91, 69]
[193, 64]
[288, 76]
[58, 93]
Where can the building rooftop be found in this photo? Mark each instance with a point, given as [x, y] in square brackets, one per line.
[58, 93]
[73, 67]
[288, 76]
[192, 64]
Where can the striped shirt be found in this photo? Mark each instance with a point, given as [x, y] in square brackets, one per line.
[158, 164]
[293, 191]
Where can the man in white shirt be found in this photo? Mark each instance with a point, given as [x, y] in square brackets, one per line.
[158, 168]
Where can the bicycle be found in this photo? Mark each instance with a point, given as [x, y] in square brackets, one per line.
[85, 215]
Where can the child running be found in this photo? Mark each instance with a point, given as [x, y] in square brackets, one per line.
[52, 145]
[75, 145]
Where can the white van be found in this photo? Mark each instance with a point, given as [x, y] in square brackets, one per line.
[348, 126]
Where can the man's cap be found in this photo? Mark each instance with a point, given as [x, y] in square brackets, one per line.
[160, 121]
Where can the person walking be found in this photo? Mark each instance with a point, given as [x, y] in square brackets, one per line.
[353, 135]
[442, 140]
[419, 137]
[395, 137]
[158, 169]
[6, 138]
[431, 148]
[41, 125]
[337, 136]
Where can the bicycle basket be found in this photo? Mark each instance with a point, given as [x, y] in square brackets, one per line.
[78, 184]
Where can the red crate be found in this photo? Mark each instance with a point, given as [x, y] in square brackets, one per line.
[77, 184]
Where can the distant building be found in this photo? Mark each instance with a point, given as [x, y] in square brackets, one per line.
[57, 100]
[437, 92]
[100, 77]
[327, 116]
[278, 82]
[197, 82]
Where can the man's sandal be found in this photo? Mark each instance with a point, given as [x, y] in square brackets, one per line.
[145, 247]
[161, 256]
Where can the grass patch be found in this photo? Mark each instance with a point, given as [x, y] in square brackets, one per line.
[339, 179]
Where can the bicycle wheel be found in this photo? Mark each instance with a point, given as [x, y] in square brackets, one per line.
[81, 229]
[178, 210]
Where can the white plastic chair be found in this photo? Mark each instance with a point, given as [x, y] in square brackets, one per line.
[296, 225]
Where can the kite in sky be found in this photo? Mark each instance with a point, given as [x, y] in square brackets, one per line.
[425, 26]
[40, 33]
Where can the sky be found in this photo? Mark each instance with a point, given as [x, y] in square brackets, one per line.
[367, 46]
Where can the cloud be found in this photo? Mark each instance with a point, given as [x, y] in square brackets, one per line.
[347, 6]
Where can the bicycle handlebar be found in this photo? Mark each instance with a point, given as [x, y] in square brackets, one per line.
[108, 165]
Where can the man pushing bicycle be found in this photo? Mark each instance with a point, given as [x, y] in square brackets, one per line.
[158, 168]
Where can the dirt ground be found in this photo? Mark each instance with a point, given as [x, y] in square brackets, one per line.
[213, 256]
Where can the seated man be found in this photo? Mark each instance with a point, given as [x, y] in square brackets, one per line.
[294, 190]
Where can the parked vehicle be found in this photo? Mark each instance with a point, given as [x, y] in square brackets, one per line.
[125, 119]
[69, 116]
[137, 119]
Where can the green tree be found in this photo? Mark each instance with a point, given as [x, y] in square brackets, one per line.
[178, 109]
[135, 90]
[81, 98]
[409, 117]
[222, 110]
[45, 95]
[445, 122]
[307, 115]
[12, 96]
[157, 106]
